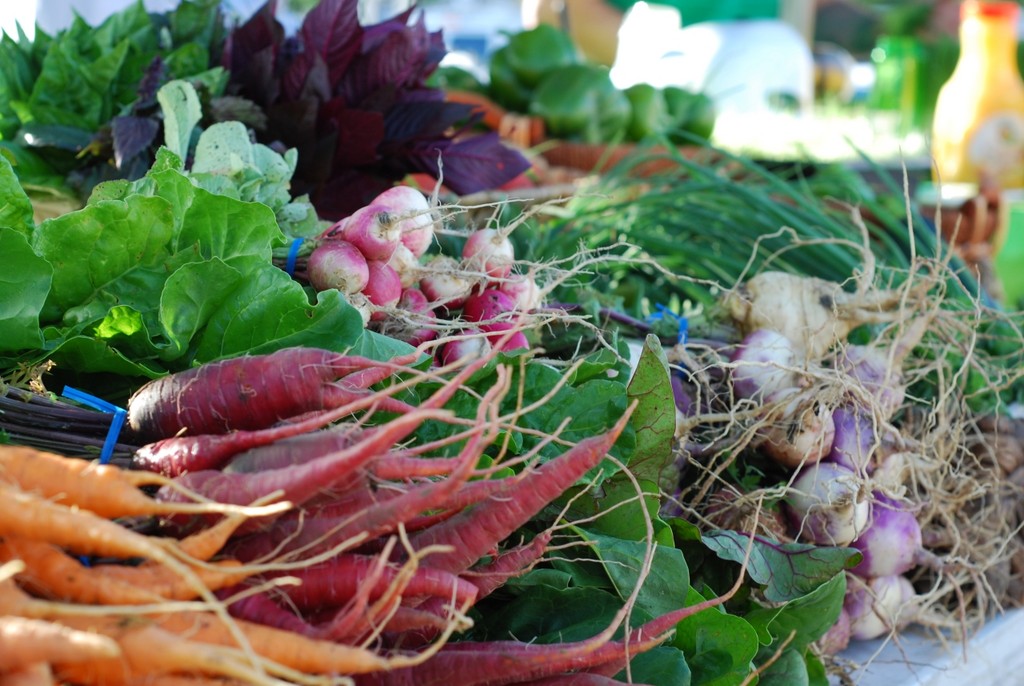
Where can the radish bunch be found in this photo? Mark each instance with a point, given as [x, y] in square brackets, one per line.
[372, 256]
[377, 258]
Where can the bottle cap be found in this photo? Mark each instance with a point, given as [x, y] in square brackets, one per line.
[978, 8]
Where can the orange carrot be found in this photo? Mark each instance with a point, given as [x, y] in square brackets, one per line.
[37, 674]
[25, 642]
[105, 490]
[51, 573]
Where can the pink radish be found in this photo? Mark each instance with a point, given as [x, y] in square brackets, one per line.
[414, 302]
[337, 264]
[444, 283]
[472, 344]
[373, 230]
[489, 251]
[411, 211]
[406, 265]
[524, 291]
[488, 309]
[383, 289]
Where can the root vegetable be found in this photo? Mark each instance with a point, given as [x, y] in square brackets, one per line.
[764, 363]
[813, 313]
[444, 283]
[250, 392]
[406, 265]
[891, 544]
[25, 641]
[410, 211]
[339, 265]
[525, 292]
[373, 230]
[489, 251]
[383, 289]
[805, 434]
[854, 442]
[879, 606]
[488, 309]
[473, 343]
[827, 504]
[473, 532]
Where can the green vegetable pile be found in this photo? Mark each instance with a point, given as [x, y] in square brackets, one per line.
[540, 72]
[179, 266]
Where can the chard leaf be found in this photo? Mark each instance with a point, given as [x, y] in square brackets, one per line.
[25, 282]
[788, 669]
[182, 112]
[719, 647]
[661, 665]
[654, 417]
[803, 620]
[665, 587]
[123, 238]
[15, 207]
[190, 297]
[787, 570]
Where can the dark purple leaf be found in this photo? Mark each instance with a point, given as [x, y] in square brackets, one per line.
[154, 77]
[306, 77]
[359, 135]
[424, 120]
[260, 32]
[347, 192]
[236, 108]
[471, 164]
[294, 122]
[131, 136]
[396, 60]
[332, 30]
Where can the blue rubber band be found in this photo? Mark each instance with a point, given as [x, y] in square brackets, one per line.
[662, 312]
[293, 255]
[116, 423]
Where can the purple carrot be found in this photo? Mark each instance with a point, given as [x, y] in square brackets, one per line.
[295, 449]
[301, 482]
[249, 392]
[577, 679]
[508, 565]
[337, 580]
[475, 531]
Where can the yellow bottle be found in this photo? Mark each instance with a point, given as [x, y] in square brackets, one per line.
[978, 126]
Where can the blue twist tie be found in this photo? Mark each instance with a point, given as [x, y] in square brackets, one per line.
[661, 312]
[116, 423]
[293, 255]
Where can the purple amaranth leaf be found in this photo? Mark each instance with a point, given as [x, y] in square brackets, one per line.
[332, 30]
[306, 76]
[131, 136]
[469, 165]
[396, 60]
[360, 133]
[154, 77]
[421, 119]
[251, 51]
[347, 191]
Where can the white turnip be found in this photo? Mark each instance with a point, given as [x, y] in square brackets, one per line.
[805, 433]
[489, 251]
[891, 543]
[853, 444]
[827, 504]
[764, 363]
[814, 313]
[879, 606]
[337, 264]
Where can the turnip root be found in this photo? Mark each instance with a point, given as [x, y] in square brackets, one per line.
[853, 443]
[879, 605]
[814, 313]
[827, 505]
[764, 363]
[891, 543]
[805, 434]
